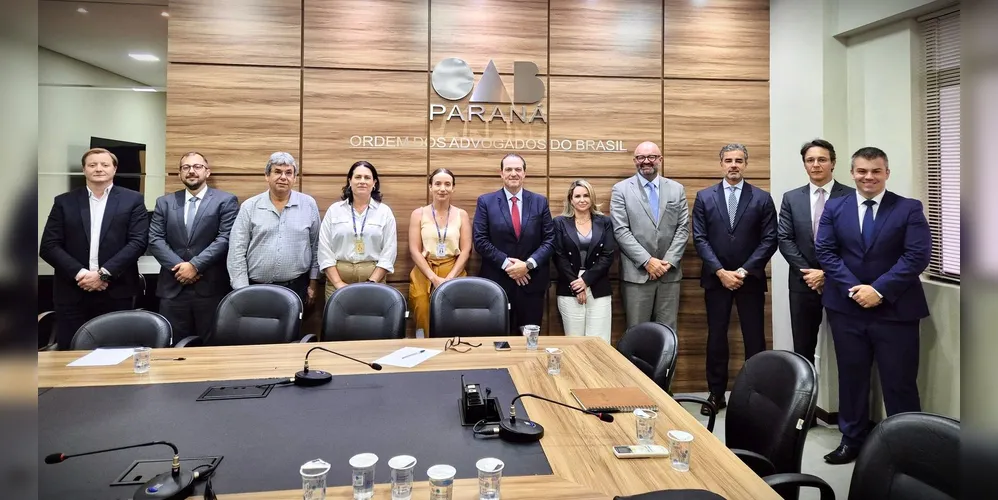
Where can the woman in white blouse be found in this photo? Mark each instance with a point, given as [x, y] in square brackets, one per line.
[358, 240]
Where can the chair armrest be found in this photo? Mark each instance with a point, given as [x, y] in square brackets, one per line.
[758, 463]
[308, 338]
[789, 481]
[192, 341]
[50, 325]
[702, 401]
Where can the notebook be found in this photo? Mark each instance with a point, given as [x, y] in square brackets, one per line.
[613, 399]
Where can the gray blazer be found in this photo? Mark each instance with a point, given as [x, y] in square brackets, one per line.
[640, 237]
[796, 235]
[206, 248]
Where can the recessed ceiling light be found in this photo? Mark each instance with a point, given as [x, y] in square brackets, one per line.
[143, 89]
[144, 57]
[81, 10]
[164, 14]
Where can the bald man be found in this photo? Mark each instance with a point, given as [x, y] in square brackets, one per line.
[651, 223]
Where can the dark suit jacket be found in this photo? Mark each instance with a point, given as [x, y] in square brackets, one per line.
[495, 239]
[899, 253]
[206, 248]
[123, 236]
[749, 245]
[796, 233]
[599, 258]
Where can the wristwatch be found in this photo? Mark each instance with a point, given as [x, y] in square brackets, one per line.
[742, 272]
[104, 274]
[530, 265]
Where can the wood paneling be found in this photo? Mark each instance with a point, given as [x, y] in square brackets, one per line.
[253, 32]
[607, 38]
[243, 186]
[722, 39]
[702, 116]
[499, 30]
[237, 116]
[370, 34]
[608, 109]
[342, 108]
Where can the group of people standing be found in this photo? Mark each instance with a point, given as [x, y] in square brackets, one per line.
[858, 256]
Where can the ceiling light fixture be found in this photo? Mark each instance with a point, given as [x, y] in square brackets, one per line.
[143, 89]
[81, 10]
[144, 57]
[164, 14]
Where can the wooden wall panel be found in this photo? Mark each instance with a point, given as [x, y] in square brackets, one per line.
[499, 30]
[701, 116]
[369, 34]
[253, 32]
[237, 116]
[721, 39]
[343, 107]
[620, 109]
[243, 186]
[609, 38]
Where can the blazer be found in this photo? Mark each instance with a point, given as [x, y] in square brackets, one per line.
[640, 237]
[796, 232]
[206, 247]
[893, 263]
[123, 237]
[599, 258]
[495, 240]
[749, 245]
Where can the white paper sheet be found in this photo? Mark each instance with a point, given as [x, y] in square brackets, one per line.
[407, 357]
[104, 357]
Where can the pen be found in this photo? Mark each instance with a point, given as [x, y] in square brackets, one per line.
[168, 359]
[421, 351]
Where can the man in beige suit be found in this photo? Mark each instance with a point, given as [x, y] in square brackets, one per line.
[651, 223]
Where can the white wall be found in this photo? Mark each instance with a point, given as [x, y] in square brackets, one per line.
[858, 15]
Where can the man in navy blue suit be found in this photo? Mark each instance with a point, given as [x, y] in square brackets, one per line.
[734, 231]
[514, 235]
[873, 247]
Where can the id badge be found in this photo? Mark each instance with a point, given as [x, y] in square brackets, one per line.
[441, 249]
[358, 246]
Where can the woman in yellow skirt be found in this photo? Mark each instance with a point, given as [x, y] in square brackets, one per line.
[439, 243]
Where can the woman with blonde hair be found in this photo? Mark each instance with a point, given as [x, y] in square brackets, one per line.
[584, 248]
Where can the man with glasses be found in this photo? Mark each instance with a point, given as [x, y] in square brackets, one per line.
[189, 236]
[275, 238]
[651, 224]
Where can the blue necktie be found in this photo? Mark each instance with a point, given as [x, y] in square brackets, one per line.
[191, 210]
[653, 200]
[868, 223]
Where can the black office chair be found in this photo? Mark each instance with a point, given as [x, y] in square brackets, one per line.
[469, 307]
[123, 329]
[673, 495]
[909, 456]
[652, 347]
[364, 311]
[769, 413]
[46, 331]
[256, 314]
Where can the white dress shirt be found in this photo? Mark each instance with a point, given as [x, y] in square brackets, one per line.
[814, 196]
[519, 210]
[738, 191]
[197, 204]
[97, 206]
[862, 208]
[337, 233]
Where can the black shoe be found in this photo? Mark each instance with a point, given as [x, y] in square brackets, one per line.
[842, 455]
[717, 401]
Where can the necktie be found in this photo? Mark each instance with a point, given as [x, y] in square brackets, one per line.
[868, 223]
[819, 208]
[515, 212]
[732, 207]
[653, 200]
[191, 210]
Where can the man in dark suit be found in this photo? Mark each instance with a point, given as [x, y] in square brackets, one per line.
[514, 234]
[734, 231]
[799, 215]
[93, 238]
[873, 248]
[189, 236]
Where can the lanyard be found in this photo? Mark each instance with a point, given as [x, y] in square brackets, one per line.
[440, 238]
[353, 214]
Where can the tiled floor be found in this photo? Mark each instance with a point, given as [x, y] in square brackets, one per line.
[820, 441]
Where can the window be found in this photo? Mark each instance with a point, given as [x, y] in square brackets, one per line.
[942, 142]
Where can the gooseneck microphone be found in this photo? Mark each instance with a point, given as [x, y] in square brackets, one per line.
[526, 431]
[311, 378]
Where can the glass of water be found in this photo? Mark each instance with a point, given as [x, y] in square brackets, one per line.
[313, 480]
[141, 356]
[441, 482]
[532, 332]
[489, 476]
[680, 446]
[363, 475]
[645, 425]
[402, 466]
[554, 361]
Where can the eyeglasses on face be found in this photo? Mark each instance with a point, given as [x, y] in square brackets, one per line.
[454, 343]
[198, 167]
[643, 158]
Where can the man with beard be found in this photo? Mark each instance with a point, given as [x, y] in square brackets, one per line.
[189, 236]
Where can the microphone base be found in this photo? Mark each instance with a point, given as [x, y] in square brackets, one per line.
[312, 378]
[520, 431]
[166, 487]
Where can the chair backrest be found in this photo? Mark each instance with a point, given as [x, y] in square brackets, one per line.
[673, 495]
[771, 407]
[364, 311]
[910, 456]
[132, 328]
[469, 307]
[257, 314]
[652, 347]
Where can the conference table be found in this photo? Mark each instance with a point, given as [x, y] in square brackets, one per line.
[578, 447]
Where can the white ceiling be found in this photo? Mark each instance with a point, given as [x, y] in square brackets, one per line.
[107, 33]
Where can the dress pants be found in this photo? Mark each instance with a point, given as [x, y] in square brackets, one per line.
[525, 308]
[420, 289]
[591, 319]
[806, 312]
[70, 317]
[751, 302]
[351, 272]
[298, 285]
[653, 300]
[190, 313]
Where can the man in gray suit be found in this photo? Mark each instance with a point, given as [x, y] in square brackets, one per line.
[189, 236]
[651, 223]
[799, 215]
